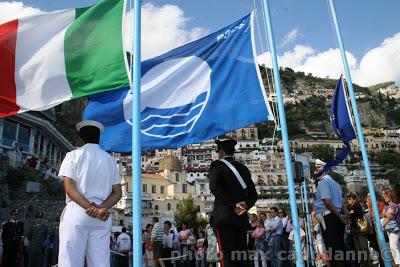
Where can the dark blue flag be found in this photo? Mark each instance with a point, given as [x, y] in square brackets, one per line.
[190, 94]
[341, 124]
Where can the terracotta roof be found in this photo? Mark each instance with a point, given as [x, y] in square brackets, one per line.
[152, 176]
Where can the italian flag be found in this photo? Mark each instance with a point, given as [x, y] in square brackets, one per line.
[54, 57]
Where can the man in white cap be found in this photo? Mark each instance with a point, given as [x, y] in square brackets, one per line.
[92, 187]
[328, 202]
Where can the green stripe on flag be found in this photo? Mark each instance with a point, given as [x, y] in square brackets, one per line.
[94, 58]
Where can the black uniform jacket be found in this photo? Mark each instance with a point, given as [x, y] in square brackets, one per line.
[228, 192]
[12, 233]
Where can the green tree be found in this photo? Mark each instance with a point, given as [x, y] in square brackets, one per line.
[388, 157]
[323, 152]
[187, 213]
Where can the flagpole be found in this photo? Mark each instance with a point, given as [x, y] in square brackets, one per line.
[386, 254]
[136, 145]
[285, 138]
[308, 223]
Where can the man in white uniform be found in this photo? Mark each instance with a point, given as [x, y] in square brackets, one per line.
[92, 187]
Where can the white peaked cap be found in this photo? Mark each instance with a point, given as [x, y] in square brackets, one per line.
[90, 123]
[319, 163]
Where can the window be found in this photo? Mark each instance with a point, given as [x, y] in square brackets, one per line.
[184, 188]
[153, 189]
[169, 206]
[177, 177]
[177, 206]
[24, 135]
[150, 205]
[144, 189]
[156, 207]
[201, 186]
[162, 189]
[9, 132]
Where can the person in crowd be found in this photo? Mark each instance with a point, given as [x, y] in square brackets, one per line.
[391, 225]
[37, 236]
[263, 217]
[200, 247]
[372, 236]
[123, 246]
[321, 254]
[360, 239]
[168, 243]
[259, 235]
[191, 241]
[157, 238]
[328, 209]
[212, 250]
[235, 194]
[184, 242]
[11, 236]
[148, 245]
[303, 242]
[275, 227]
[253, 225]
[285, 236]
[85, 224]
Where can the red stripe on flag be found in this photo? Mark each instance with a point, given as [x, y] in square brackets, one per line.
[8, 92]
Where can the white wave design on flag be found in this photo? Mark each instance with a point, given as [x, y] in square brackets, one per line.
[174, 94]
[172, 122]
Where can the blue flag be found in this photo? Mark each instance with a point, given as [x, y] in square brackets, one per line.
[190, 94]
[341, 124]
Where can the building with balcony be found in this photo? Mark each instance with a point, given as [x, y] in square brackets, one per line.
[31, 139]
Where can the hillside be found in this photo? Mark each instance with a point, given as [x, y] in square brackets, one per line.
[309, 110]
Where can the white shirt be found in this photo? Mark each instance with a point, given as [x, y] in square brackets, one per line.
[93, 170]
[284, 221]
[124, 242]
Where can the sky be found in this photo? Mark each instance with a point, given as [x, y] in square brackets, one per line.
[304, 36]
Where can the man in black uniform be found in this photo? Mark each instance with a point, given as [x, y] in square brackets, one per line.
[11, 236]
[235, 193]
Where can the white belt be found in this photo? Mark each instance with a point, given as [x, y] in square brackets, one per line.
[329, 212]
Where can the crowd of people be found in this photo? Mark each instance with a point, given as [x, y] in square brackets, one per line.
[166, 245]
[270, 238]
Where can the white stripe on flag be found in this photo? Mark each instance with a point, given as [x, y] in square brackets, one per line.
[40, 74]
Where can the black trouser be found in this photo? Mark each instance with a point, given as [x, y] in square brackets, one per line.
[167, 254]
[334, 239]
[122, 261]
[233, 240]
[10, 252]
[36, 258]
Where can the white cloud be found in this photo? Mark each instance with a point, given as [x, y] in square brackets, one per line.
[290, 37]
[12, 10]
[163, 28]
[296, 56]
[378, 65]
